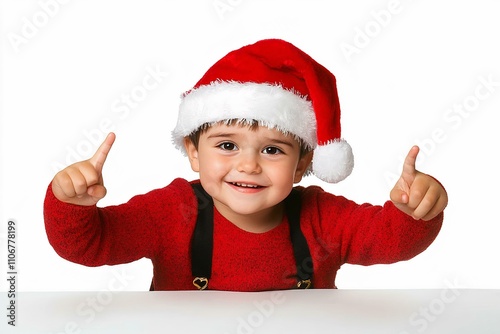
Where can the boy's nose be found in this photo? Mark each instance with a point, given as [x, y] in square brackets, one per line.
[249, 163]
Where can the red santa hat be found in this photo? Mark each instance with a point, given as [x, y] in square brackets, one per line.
[281, 87]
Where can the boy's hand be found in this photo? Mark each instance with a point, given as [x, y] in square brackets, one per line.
[81, 183]
[418, 194]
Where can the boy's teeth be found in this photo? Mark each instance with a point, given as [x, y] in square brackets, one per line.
[245, 185]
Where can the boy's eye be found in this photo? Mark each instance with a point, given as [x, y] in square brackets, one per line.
[272, 150]
[227, 146]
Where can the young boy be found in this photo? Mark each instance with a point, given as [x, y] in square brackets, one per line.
[260, 119]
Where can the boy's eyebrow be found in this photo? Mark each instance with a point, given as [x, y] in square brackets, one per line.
[221, 134]
[282, 142]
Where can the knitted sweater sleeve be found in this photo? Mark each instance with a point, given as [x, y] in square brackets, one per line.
[94, 236]
[372, 234]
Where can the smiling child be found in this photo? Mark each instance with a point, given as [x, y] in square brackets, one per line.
[259, 120]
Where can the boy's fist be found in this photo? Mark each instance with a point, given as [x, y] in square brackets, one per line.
[81, 183]
[417, 194]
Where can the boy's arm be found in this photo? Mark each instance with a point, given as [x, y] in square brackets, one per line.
[398, 230]
[403, 228]
[384, 234]
[81, 232]
[94, 236]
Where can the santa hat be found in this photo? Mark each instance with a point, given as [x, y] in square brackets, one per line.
[281, 87]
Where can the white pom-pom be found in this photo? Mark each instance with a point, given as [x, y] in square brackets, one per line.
[333, 162]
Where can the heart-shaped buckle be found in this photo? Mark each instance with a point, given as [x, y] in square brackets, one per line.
[201, 283]
[304, 284]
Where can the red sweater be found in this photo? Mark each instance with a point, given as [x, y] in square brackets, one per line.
[159, 226]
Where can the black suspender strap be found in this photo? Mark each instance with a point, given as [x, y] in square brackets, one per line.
[202, 241]
[301, 252]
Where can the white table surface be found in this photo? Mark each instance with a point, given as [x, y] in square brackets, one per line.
[298, 311]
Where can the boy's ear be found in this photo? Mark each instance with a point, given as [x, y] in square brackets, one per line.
[192, 153]
[302, 166]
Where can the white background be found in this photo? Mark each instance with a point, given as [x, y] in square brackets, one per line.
[66, 68]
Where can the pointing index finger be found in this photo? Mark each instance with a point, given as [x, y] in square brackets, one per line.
[101, 154]
[410, 160]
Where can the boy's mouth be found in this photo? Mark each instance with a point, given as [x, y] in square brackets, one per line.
[245, 185]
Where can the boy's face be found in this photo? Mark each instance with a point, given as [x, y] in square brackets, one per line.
[247, 171]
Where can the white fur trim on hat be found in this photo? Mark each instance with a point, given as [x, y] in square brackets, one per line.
[270, 105]
[333, 162]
